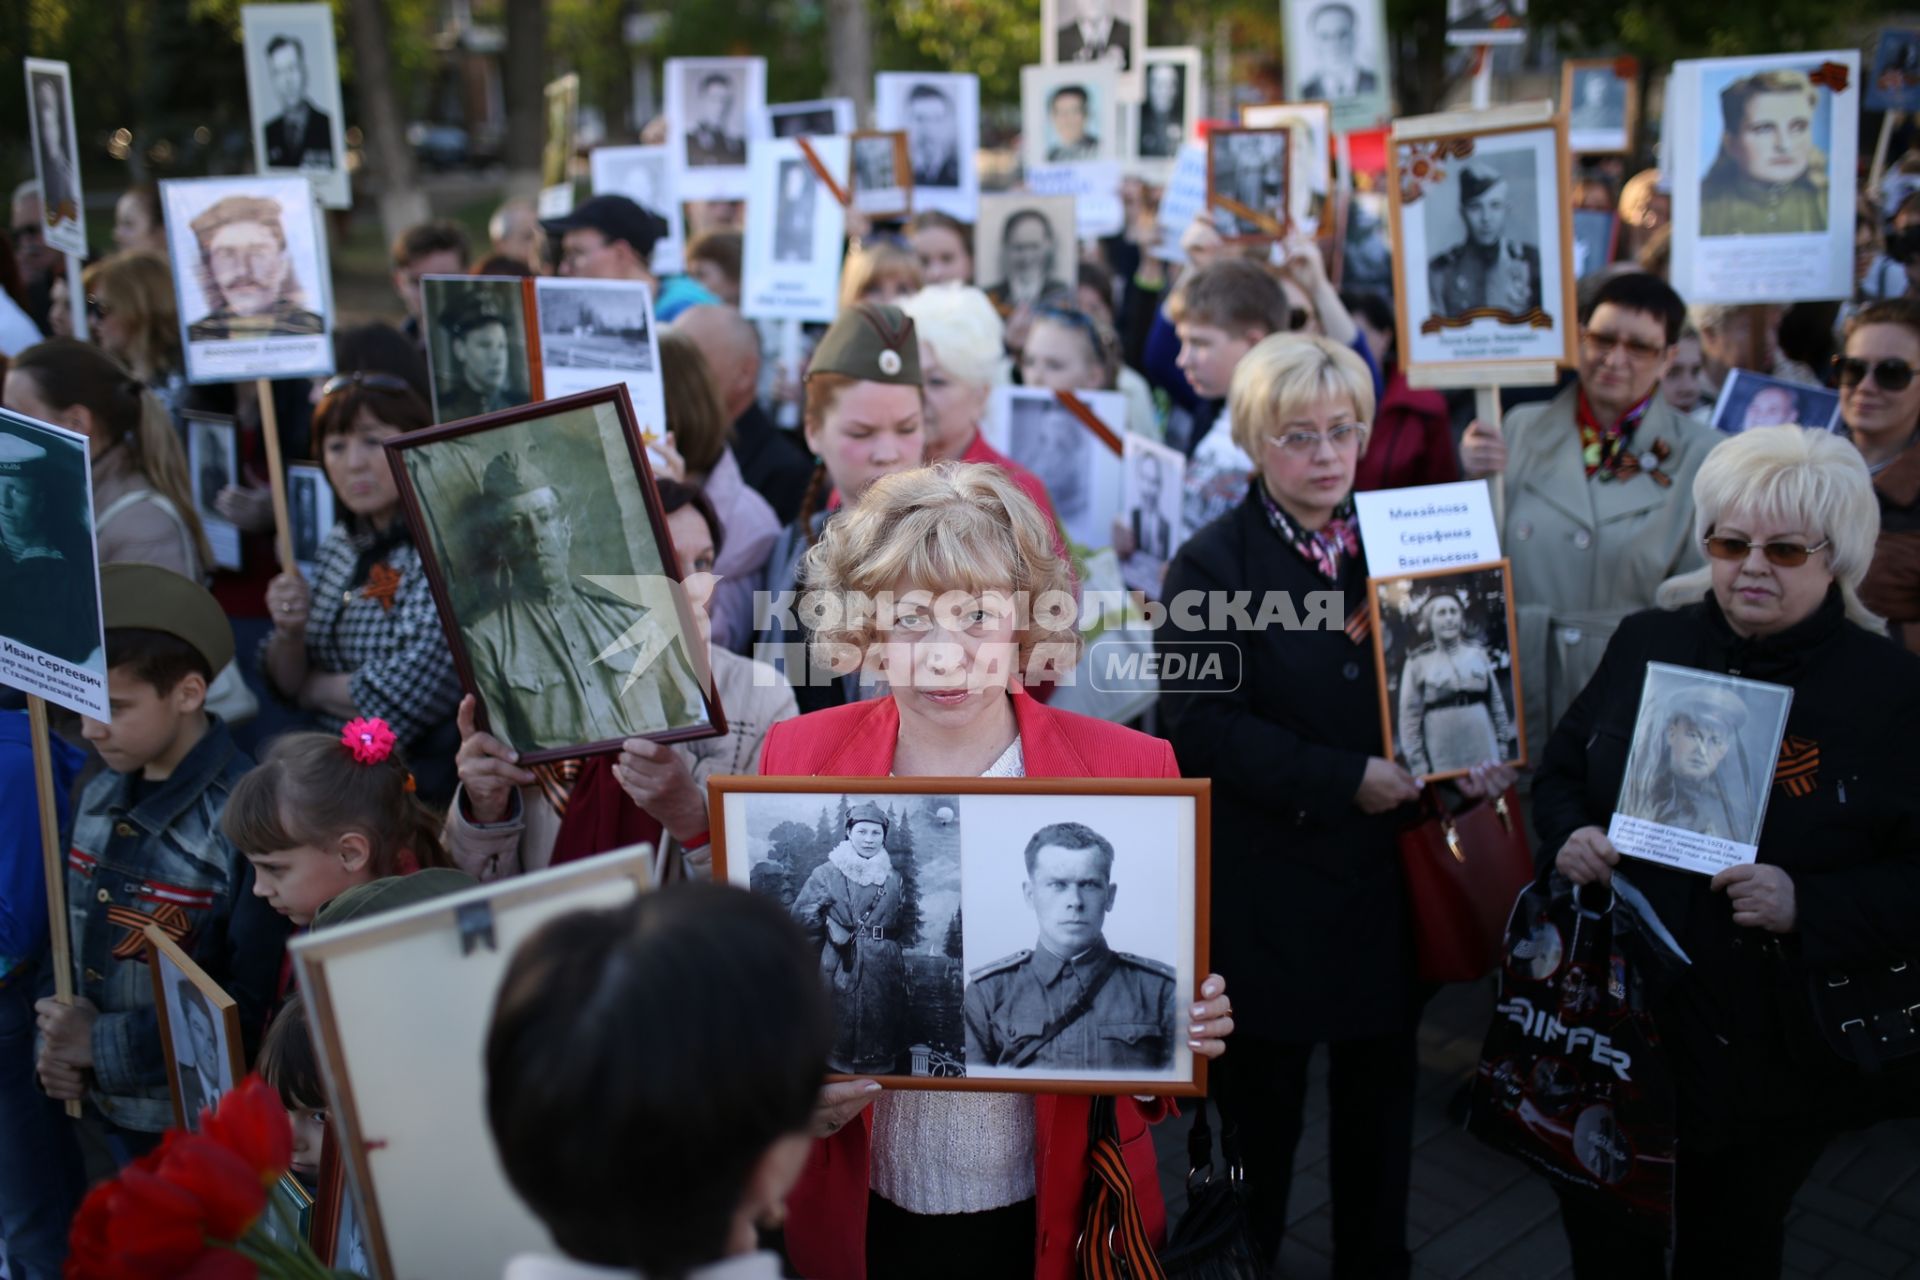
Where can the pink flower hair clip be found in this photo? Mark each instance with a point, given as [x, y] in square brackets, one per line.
[370, 740]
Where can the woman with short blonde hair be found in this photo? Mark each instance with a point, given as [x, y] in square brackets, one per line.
[1288, 371]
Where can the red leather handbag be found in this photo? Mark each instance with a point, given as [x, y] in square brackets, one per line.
[1464, 871]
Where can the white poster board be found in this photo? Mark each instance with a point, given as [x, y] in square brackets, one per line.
[52, 643]
[796, 231]
[293, 91]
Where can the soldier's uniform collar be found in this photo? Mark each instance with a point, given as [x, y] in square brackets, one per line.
[1048, 967]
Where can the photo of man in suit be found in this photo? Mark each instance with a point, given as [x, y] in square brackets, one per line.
[1488, 268]
[196, 1053]
[301, 136]
[59, 172]
[1152, 531]
[1333, 53]
[1092, 32]
[793, 215]
[1163, 116]
[933, 137]
[714, 139]
[1069, 140]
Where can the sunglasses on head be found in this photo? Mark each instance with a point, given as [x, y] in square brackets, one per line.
[1888, 375]
[371, 381]
[1787, 555]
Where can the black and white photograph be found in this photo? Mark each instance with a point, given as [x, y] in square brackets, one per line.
[1309, 155]
[288, 1221]
[293, 87]
[1083, 472]
[1336, 53]
[715, 106]
[1024, 250]
[548, 557]
[882, 173]
[563, 123]
[1248, 179]
[795, 231]
[1069, 115]
[1700, 768]
[213, 464]
[339, 1240]
[1484, 22]
[1894, 83]
[250, 274]
[310, 514]
[820, 118]
[1098, 33]
[945, 922]
[1150, 509]
[940, 114]
[478, 350]
[199, 1024]
[1764, 151]
[1600, 97]
[1483, 240]
[645, 176]
[1445, 644]
[56, 155]
[1749, 399]
[1168, 113]
[1594, 235]
[50, 615]
[594, 333]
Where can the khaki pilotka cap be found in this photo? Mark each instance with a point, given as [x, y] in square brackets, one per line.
[156, 599]
[391, 893]
[872, 342]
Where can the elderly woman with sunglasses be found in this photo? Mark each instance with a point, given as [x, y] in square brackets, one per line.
[1593, 491]
[1788, 517]
[1880, 401]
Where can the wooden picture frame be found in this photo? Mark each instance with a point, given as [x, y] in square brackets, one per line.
[469, 546]
[778, 837]
[1396, 622]
[1266, 216]
[289, 1215]
[891, 201]
[1456, 342]
[1310, 186]
[170, 967]
[447, 302]
[335, 1218]
[1587, 139]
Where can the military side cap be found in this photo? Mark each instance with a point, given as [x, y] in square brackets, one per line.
[472, 310]
[510, 475]
[868, 813]
[1476, 178]
[872, 342]
[155, 599]
[16, 454]
[390, 893]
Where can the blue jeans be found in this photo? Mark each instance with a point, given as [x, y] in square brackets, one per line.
[40, 1177]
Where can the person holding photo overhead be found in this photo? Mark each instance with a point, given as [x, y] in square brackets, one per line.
[1452, 713]
[301, 136]
[1488, 269]
[1768, 177]
[850, 907]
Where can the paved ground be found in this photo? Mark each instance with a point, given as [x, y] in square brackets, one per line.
[1474, 1212]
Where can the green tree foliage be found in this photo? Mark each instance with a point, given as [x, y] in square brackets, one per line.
[900, 846]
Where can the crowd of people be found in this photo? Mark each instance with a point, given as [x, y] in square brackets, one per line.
[1637, 533]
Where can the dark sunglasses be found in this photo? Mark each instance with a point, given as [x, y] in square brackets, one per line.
[1787, 555]
[1888, 375]
[371, 381]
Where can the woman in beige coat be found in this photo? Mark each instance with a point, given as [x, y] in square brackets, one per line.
[1593, 491]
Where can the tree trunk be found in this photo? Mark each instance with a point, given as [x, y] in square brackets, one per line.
[526, 87]
[850, 54]
[402, 202]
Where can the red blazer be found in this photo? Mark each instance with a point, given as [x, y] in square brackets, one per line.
[827, 1212]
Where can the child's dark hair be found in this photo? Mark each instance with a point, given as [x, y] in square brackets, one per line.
[594, 1113]
[158, 658]
[288, 1061]
[309, 789]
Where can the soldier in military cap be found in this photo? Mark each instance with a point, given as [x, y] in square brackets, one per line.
[479, 377]
[1071, 1003]
[245, 272]
[562, 662]
[851, 908]
[1489, 268]
[1768, 178]
[46, 549]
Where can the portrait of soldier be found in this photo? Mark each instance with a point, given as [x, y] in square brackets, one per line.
[1599, 100]
[851, 907]
[933, 137]
[301, 136]
[1071, 1002]
[1163, 116]
[714, 138]
[1338, 73]
[250, 284]
[1488, 268]
[480, 375]
[59, 173]
[1768, 177]
[1069, 139]
[1688, 769]
[1029, 262]
[46, 550]
[196, 1049]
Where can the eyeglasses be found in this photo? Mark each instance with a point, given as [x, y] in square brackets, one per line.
[1787, 555]
[1888, 375]
[1605, 344]
[371, 381]
[1304, 444]
[96, 309]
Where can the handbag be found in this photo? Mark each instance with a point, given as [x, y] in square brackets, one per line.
[1463, 872]
[1871, 1017]
[1212, 1240]
[1113, 1243]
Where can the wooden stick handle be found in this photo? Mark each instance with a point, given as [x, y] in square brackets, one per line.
[60, 945]
[1486, 407]
[276, 476]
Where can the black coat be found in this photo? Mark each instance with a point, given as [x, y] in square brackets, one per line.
[1738, 1023]
[1309, 908]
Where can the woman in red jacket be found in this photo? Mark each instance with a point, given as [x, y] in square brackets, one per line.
[956, 1184]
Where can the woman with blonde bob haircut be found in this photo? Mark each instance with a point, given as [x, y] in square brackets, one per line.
[130, 301]
[1788, 520]
[948, 575]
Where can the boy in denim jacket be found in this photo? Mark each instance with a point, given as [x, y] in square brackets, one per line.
[147, 847]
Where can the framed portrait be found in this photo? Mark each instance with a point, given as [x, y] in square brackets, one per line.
[410, 1183]
[289, 1217]
[1601, 100]
[820, 118]
[1248, 180]
[1025, 250]
[1894, 84]
[795, 236]
[1310, 184]
[563, 123]
[1168, 114]
[1700, 768]
[882, 174]
[1483, 246]
[1446, 649]
[310, 514]
[594, 333]
[1072, 440]
[56, 155]
[199, 1027]
[250, 274]
[1478, 22]
[1596, 232]
[50, 619]
[480, 357]
[940, 114]
[555, 580]
[293, 93]
[1150, 507]
[1755, 221]
[944, 910]
[714, 107]
[645, 176]
[213, 463]
[1069, 115]
[1749, 399]
[1336, 53]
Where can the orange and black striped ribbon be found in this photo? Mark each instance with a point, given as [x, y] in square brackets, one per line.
[1798, 771]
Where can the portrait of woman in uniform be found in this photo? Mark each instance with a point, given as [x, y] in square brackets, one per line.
[851, 907]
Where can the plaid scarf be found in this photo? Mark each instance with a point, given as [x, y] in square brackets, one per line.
[1323, 550]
